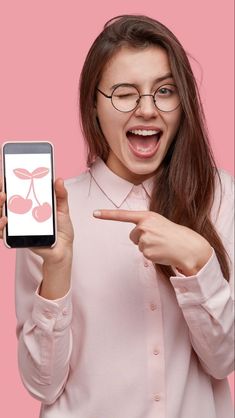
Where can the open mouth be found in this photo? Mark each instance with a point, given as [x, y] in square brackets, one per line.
[144, 143]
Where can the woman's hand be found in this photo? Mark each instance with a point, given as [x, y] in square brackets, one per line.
[163, 241]
[3, 219]
[65, 234]
[57, 260]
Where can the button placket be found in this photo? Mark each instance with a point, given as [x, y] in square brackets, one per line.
[154, 333]
[155, 342]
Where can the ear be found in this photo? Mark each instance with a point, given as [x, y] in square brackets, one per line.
[95, 116]
[95, 102]
[96, 119]
[95, 112]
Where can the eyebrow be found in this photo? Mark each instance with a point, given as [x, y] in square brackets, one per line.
[158, 80]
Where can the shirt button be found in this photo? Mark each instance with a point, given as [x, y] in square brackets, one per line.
[153, 307]
[155, 351]
[136, 190]
[48, 314]
[146, 263]
[157, 397]
[65, 311]
[183, 289]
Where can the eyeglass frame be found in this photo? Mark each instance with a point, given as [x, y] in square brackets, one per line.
[138, 100]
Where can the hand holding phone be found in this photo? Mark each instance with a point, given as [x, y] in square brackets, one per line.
[57, 264]
[28, 171]
[61, 252]
[57, 258]
[33, 201]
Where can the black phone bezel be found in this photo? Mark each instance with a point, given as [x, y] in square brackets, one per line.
[32, 147]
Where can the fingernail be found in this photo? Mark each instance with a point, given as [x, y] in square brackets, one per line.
[96, 213]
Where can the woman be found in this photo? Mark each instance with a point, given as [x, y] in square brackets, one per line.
[130, 315]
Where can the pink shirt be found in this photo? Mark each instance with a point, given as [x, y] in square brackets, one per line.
[126, 342]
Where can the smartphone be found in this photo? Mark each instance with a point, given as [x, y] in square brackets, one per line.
[28, 181]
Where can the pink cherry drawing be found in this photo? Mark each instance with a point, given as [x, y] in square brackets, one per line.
[42, 213]
[19, 205]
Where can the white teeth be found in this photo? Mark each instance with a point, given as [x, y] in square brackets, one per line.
[144, 132]
[139, 149]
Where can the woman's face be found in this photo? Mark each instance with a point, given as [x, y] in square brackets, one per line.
[139, 139]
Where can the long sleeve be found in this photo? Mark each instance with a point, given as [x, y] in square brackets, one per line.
[207, 299]
[43, 330]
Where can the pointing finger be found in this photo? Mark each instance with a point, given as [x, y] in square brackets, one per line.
[120, 215]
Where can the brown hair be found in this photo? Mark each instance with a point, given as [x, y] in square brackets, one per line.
[185, 182]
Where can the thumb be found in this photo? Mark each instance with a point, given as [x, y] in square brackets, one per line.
[61, 196]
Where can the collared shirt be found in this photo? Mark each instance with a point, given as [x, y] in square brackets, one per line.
[125, 341]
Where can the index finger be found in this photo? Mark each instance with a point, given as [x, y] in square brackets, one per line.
[120, 215]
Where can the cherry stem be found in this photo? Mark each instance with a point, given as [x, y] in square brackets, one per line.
[34, 193]
[29, 188]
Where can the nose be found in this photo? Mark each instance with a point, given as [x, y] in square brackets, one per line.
[146, 107]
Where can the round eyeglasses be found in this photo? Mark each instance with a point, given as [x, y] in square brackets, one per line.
[126, 97]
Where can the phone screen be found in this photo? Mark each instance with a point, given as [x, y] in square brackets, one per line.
[28, 173]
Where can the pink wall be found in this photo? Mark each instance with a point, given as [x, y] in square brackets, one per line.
[43, 45]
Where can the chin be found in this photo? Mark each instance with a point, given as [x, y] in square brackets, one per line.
[143, 167]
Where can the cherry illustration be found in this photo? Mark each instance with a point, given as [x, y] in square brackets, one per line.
[42, 212]
[20, 205]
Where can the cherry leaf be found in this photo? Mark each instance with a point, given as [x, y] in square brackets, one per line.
[22, 173]
[40, 172]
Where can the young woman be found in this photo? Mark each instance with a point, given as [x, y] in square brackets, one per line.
[130, 314]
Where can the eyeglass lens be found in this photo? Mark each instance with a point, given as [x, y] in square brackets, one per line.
[125, 98]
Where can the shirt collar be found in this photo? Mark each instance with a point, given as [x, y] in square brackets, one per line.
[114, 187]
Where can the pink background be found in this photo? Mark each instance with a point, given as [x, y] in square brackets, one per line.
[43, 45]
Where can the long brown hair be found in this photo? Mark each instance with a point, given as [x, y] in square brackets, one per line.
[185, 182]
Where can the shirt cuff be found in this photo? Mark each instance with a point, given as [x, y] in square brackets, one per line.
[52, 315]
[196, 289]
